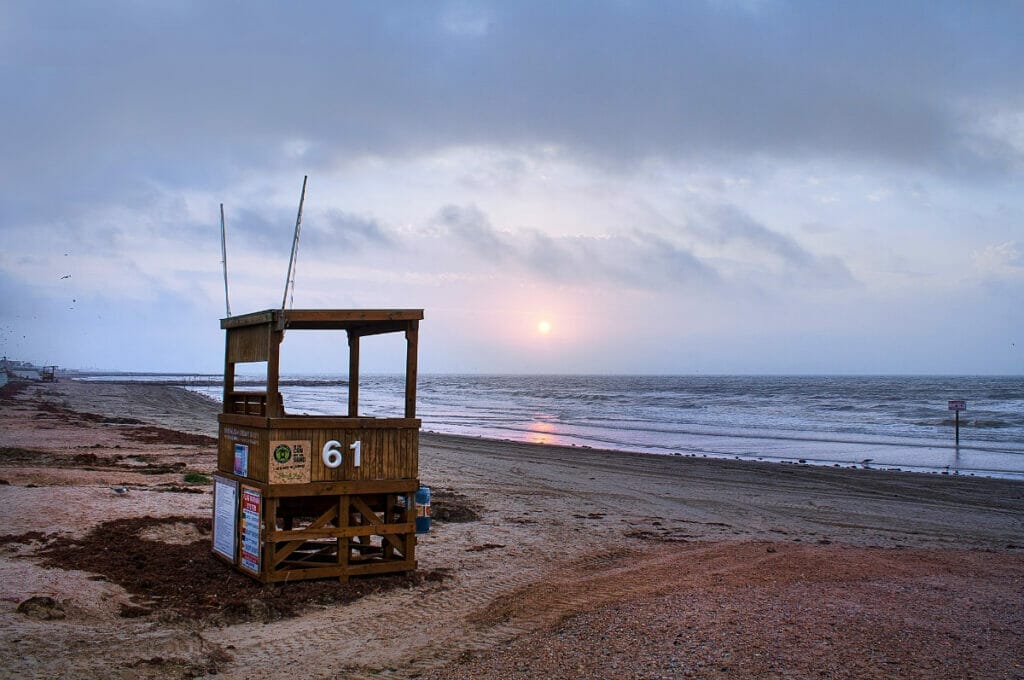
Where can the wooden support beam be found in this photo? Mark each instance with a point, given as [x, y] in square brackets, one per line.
[353, 375]
[352, 531]
[333, 571]
[270, 506]
[409, 539]
[229, 374]
[411, 351]
[389, 503]
[335, 488]
[343, 541]
[274, 408]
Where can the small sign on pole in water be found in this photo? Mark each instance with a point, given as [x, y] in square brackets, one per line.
[957, 405]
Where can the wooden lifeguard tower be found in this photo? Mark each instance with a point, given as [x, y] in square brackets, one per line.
[300, 496]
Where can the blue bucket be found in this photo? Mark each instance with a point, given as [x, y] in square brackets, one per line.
[423, 510]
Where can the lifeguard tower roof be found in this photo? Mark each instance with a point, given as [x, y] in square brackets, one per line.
[363, 321]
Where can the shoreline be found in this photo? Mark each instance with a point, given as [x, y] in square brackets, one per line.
[566, 562]
[844, 441]
[923, 454]
[871, 465]
[121, 387]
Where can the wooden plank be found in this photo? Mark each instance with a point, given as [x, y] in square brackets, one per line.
[324, 319]
[244, 420]
[370, 486]
[246, 345]
[378, 567]
[414, 457]
[382, 567]
[251, 319]
[342, 423]
[300, 574]
[340, 319]
[259, 466]
[379, 328]
[370, 529]
[373, 463]
[338, 488]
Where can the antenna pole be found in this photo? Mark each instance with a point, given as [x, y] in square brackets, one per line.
[289, 282]
[224, 259]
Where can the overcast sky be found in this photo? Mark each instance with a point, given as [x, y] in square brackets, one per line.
[700, 187]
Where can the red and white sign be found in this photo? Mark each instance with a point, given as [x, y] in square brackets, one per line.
[957, 405]
[249, 555]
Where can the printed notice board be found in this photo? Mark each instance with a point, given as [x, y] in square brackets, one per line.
[225, 513]
[249, 555]
[289, 462]
[242, 460]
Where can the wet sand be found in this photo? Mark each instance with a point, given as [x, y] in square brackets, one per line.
[581, 563]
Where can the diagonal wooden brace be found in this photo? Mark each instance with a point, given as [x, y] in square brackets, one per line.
[329, 515]
[370, 517]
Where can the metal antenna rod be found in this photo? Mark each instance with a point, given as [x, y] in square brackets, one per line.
[289, 282]
[224, 259]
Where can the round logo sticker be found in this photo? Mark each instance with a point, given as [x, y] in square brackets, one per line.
[283, 453]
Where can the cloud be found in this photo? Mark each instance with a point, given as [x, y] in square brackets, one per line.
[727, 225]
[999, 260]
[112, 95]
[469, 225]
[638, 259]
[344, 233]
[658, 262]
[568, 144]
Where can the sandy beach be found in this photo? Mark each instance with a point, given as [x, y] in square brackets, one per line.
[542, 561]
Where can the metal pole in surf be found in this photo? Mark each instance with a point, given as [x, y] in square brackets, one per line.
[224, 259]
[957, 405]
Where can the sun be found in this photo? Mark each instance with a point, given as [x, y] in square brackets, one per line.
[544, 327]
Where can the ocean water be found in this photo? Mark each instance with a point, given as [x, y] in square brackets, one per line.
[890, 422]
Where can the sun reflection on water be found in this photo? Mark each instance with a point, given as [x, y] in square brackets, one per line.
[541, 433]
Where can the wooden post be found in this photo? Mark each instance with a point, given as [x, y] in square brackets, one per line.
[274, 407]
[387, 549]
[229, 373]
[353, 375]
[270, 525]
[411, 351]
[344, 548]
[957, 421]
